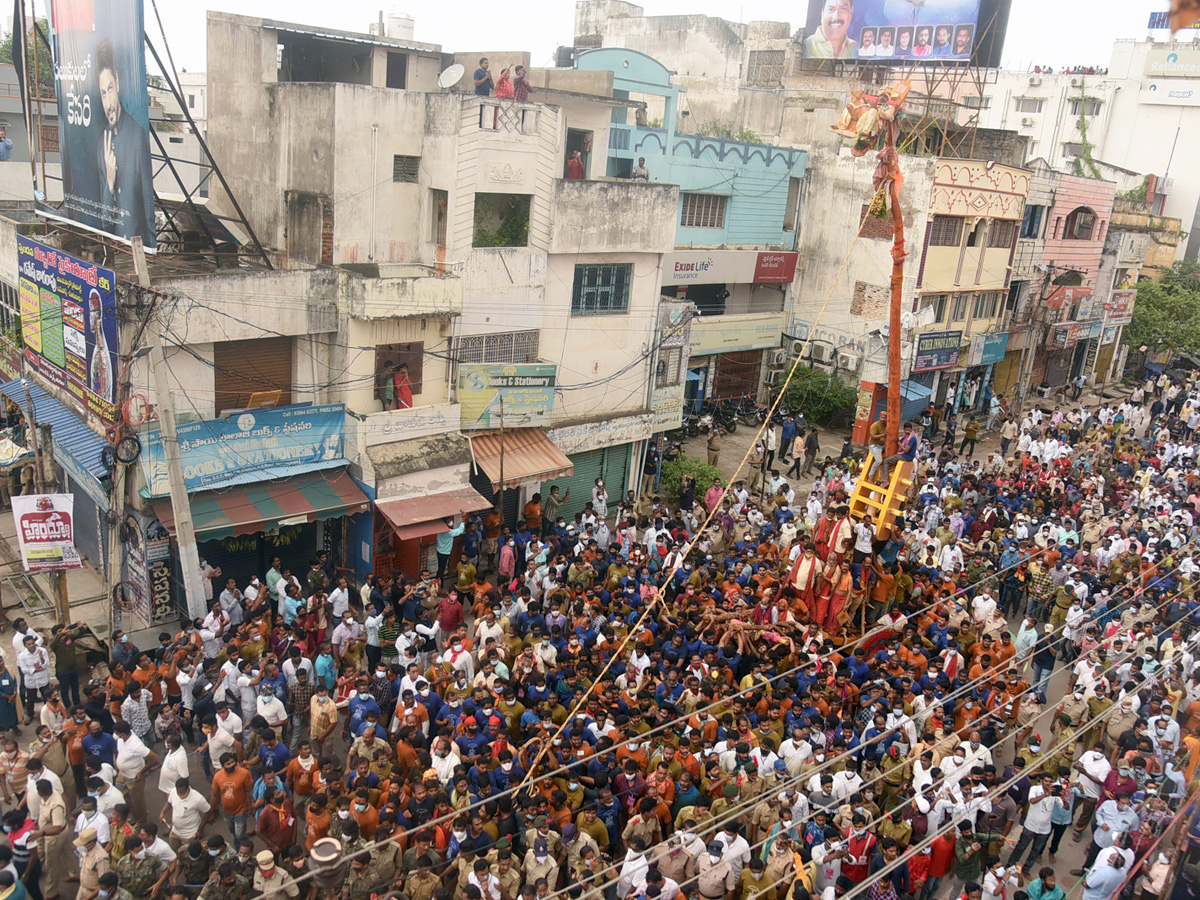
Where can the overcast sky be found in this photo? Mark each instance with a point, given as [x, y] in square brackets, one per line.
[1053, 32]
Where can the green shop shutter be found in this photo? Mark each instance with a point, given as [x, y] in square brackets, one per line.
[609, 463]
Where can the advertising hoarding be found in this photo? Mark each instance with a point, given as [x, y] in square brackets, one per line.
[987, 349]
[1173, 63]
[713, 334]
[525, 390]
[103, 116]
[46, 531]
[729, 267]
[1170, 93]
[216, 450]
[892, 31]
[69, 323]
[936, 350]
[674, 343]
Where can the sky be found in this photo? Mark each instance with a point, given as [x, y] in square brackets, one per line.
[1048, 32]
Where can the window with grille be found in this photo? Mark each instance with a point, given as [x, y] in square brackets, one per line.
[669, 371]
[945, 231]
[507, 347]
[601, 290]
[10, 308]
[986, 305]
[1002, 233]
[1031, 224]
[1072, 149]
[961, 301]
[703, 211]
[406, 168]
[1029, 105]
[977, 102]
[49, 135]
[1088, 106]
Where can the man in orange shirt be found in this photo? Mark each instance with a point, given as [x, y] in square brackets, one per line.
[232, 788]
[317, 819]
[364, 813]
[76, 729]
[299, 775]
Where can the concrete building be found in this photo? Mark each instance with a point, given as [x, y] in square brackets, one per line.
[736, 225]
[1150, 88]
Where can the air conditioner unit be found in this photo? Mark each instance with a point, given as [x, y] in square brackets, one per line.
[823, 353]
[849, 362]
[776, 377]
[1026, 122]
[798, 349]
[1035, 80]
[1075, 82]
[778, 357]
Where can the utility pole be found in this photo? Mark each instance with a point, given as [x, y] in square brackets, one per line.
[185, 532]
[500, 395]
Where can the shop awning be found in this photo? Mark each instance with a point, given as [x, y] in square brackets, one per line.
[414, 517]
[529, 456]
[252, 508]
[70, 435]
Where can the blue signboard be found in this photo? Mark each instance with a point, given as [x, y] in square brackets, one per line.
[987, 349]
[936, 350]
[217, 450]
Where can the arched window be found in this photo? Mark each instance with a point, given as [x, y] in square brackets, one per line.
[1080, 225]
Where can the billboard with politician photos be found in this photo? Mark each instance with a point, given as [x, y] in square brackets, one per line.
[892, 31]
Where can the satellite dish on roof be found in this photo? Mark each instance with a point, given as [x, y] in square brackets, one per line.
[451, 76]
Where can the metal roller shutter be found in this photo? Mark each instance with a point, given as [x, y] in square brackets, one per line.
[609, 463]
[245, 368]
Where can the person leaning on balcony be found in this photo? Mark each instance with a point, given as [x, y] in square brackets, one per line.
[640, 172]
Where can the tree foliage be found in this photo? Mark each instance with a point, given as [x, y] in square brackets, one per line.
[674, 470]
[1166, 314]
[45, 60]
[818, 394]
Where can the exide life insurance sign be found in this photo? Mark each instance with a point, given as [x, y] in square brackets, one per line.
[45, 531]
[729, 267]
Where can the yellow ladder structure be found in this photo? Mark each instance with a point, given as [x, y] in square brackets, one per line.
[886, 500]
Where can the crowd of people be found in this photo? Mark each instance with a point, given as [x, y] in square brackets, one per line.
[731, 697]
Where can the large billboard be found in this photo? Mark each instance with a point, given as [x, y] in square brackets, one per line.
[104, 122]
[892, 31]
[69, 323]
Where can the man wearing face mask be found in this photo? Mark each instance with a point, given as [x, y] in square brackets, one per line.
[271, 882]
[716, 879]
[139, 872]
[1113, 817]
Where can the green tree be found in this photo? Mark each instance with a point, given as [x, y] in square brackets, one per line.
[1167, 312]
[818, 394]
[674, 470]
[45, 59]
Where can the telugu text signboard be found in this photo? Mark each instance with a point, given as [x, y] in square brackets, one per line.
[103, 116]
[524, 391]
[69, 323]
[936, 350]
[216, 450]
[46, 531]
[891, 31]
[987, 349]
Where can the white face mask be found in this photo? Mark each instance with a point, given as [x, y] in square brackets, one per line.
[714, 858]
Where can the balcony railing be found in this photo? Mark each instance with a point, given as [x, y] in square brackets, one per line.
[648, 142]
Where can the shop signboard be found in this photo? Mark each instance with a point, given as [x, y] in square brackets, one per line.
[158, 567]
[987, 349]
[1173, 63]
[46, 531]
[936, 350]
[1062, 337]
[254, 440]
[1110, 334]
[522, 394]
[674, 350]
[69, 324]
[1120, 306]
[729, 334]
[729, 267]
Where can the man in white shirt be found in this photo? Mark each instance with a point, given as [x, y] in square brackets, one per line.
[339, 599]
[156, 846]
[1093, 767]
[188, 809]
[1036, 826]
[951, 556]
[107, 795]
[134, 760]
[174, 765]
[91, 817]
